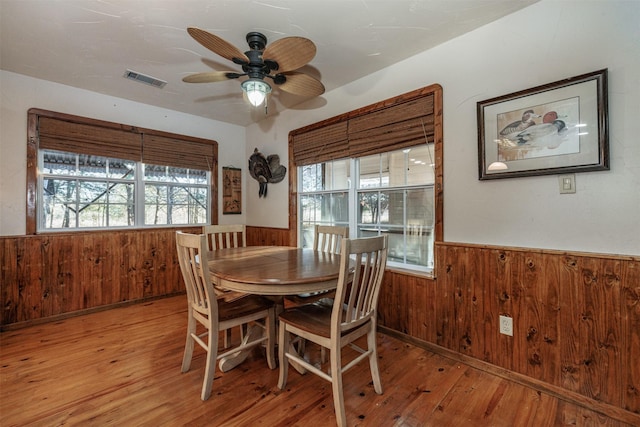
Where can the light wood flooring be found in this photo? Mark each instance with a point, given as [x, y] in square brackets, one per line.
[122, 367]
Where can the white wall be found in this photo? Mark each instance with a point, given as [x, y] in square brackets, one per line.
[18, 93]
[548, 41]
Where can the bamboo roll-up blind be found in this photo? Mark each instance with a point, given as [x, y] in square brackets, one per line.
[64, 135]
[395, 136]
[321, 145]
[407, 121]
[63, 132]
[189, 153]
[393, 128]
[396, 113]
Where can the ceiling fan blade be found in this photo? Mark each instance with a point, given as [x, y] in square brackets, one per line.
[211, 77]
[216, 44]
[301, 84]
[290, 53]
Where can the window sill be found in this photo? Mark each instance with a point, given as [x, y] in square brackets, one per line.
[420, 274]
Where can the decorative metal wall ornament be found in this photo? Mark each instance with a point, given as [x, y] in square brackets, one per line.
[265, 170]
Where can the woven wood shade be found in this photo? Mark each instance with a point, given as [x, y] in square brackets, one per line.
[320, 145]
[88, 136]
[62, 135]
[162, 150]
[403, 124]
[393, 128]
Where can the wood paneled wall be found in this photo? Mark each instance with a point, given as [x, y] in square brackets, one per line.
[262, 236]
[44, 276]
[576, 317]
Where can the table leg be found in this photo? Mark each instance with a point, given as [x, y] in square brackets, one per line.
[227, 363]
[279, 301]
[300, 351]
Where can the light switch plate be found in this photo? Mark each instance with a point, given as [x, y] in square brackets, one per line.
[567, 183]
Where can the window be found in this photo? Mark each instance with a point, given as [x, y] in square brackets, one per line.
[175, 195]
[95, 175]
[324, 197]
[391, 193]
[377, 169]
[81, 191]
[86, 191]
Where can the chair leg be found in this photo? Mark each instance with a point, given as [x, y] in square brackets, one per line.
[188, 346]
[336, 385]
[270, 322]
[373, 360]
[301, 347]
[227, 338]
[283, 347]
[244, 329]
[212, 355]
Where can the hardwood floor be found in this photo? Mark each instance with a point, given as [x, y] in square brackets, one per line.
[122, 367]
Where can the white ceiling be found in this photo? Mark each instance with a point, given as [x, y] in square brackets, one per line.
[90, 43]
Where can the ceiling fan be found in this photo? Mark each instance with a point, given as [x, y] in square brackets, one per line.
[277, 62]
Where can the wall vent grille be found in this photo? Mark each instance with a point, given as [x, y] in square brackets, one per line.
[142, 78]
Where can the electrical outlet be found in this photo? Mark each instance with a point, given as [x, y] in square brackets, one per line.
[506, 325]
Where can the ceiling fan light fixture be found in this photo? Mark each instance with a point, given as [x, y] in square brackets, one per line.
[256, 91]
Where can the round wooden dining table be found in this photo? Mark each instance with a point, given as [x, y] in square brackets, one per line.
[271, 271]
[274, 270]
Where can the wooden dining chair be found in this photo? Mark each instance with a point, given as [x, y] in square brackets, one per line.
[215, 314]
[225, 236]
[326, 238]
[353, 315]
[221, 237]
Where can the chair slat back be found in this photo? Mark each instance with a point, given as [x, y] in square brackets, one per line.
[357, 293]
[192, 256]
[225, 236]
[328, 238]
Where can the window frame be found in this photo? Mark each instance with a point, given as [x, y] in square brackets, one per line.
[79, 181]
[140, 183]
[354, 189]
[436, 122]
[32, 184]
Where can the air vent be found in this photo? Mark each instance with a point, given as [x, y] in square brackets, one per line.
[152, 81]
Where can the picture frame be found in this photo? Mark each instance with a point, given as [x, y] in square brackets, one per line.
[231, 190]
[556, 128]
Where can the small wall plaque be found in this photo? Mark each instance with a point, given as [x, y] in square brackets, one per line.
[231, 190]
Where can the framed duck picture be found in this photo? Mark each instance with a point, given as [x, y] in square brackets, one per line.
[231, 190]
[555, 128]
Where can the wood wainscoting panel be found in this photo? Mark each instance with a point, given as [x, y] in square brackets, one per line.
[407, 303]
[576, 316]
[267, 236]
[48, 275]
[630, 313]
